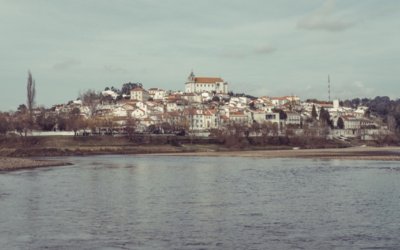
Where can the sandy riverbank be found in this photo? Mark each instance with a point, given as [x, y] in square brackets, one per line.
[10, 163]
[353, 153]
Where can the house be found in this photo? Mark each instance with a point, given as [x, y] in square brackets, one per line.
[239, 117]
[139, 94]
[195, 118]
[157, 94]
[205, 84]
[272, 117]
[119, 111]
[210, 119]
[138, 113]
[109, 93]
[350, 122]
[192, 97]
[176, 119]
[171, 106]
[279, 101]
[293, 119]
[258, 116]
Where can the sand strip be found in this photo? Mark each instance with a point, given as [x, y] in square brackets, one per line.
[354, 153]
[10, 163]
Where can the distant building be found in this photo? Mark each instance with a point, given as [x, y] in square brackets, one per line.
[157, 94]
[205, 84]
[239, 117]
[293, 118]
[139, 94]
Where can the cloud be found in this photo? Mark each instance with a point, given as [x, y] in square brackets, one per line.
[362, 88]
[244, 53]
[266, 49]
[354, 89]
[114, 69]
[66, 64]
[324, 19]
[234, 54]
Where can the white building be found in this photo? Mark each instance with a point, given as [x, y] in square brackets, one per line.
[157, 94]
[293, 118]
[205, 84]
[351, 122]
[239, 117]
[273, 118]
[139, 94]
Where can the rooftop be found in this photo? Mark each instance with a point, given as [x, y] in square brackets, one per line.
[208, 79]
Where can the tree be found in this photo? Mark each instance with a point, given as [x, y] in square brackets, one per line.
[340, 123]
[235, 134]
[46, 120]
[391, 122]
[314, 114]
[216, 99]
[30, 94]
[130, 127]
[166, 128]
[74, 121]
[5, 123]
[109, 123]
[21, 122]
[61, 122]
[282, 115]
[325, 117]
[265, 130]
[126, 87]
[90, 99]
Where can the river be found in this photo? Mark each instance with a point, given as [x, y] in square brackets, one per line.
[168, 202]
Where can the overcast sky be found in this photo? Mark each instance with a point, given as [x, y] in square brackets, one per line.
[261, 47]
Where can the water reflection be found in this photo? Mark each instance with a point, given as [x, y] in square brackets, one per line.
[143, 202]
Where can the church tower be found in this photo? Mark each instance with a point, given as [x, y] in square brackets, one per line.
[190, 84]
[191, 77]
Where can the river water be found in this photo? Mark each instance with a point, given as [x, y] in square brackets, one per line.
[166, 202]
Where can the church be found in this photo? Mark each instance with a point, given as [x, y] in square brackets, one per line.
[205, 84]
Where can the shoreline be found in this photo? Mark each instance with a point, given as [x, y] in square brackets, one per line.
[353, 153]
[8, 164]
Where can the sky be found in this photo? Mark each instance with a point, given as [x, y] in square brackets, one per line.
[260, 47]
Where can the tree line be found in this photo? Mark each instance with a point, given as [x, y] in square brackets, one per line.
[382, 107]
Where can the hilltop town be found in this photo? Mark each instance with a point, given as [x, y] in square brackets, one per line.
[206, 108]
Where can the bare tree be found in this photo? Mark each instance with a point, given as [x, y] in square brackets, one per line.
[30, 93]
[20, 122]
[130, 127]
[90, 99]
[5, 123]
[74, 121]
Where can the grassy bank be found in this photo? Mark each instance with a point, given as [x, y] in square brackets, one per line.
[93, 145]
[15, 152]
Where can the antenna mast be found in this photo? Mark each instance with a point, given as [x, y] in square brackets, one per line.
[329, 88]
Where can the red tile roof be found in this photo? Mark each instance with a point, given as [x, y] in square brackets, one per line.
[207, 79]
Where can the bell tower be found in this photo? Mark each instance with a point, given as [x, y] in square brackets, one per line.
[189, 85]
[191, 77]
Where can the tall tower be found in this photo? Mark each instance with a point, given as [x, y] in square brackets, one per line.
[190, 84]
[329, 88]
[191, 77]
